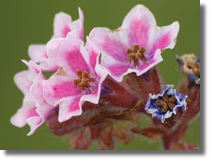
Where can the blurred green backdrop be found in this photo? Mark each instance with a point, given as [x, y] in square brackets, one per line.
[24, 22]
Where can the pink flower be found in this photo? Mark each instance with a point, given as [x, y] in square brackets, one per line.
[135, 46]
[35, 109]
[64, 27]
[78, 79]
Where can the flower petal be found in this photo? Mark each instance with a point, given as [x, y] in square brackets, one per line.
[115, 69]
[77, 28]
[110, 43]
[36, 93]
[61, 25]
[44, 111]
[34, 123]
[70, 57]
[39, 77]
[35, 75]
[53, 47]
[37, 52]
[23, 83]
[27, 110]
[162, 38]
[68, 108]
[137, 24]
[91, 54]
[144, 67]
[32, 70]
[94, 97]
[59, 87]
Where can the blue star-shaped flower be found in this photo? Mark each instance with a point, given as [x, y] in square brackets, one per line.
[162, 106]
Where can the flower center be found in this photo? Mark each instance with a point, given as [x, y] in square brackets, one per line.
[195, 68]
[166, 103]
[83, 81]
[136, 54]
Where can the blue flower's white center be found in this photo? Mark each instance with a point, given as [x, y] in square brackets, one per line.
[83, 81]
[166, 103]
[136, 54]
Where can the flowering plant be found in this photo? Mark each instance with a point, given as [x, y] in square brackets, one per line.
[101, 88]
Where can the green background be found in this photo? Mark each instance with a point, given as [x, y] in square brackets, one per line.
[24, 22]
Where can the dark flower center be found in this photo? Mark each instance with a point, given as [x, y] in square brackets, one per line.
[167, 103]
[136, 54]
[83, 81]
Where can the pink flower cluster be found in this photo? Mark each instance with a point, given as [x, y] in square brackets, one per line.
[80, 69]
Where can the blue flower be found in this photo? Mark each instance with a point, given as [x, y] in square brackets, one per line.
[162, 106]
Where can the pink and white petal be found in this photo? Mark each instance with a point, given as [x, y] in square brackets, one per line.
[39, 77]
[27, 110]
[144, 67]
[61, 25]
[37, 52]
[36, 93]
[69, 107]
[137, 24]
[163, 38]
[110, 43]
[91, 54]
[34, 123]
[43, 64]
[101, 71]
[35, 75]
[53, 47]
[78, 24]
[59, 87]
[75, 25]
[44, 111]
[77, 28]
[32, 70]
[70, 57]
[94, 97]
[115, 69]
[23, 83]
